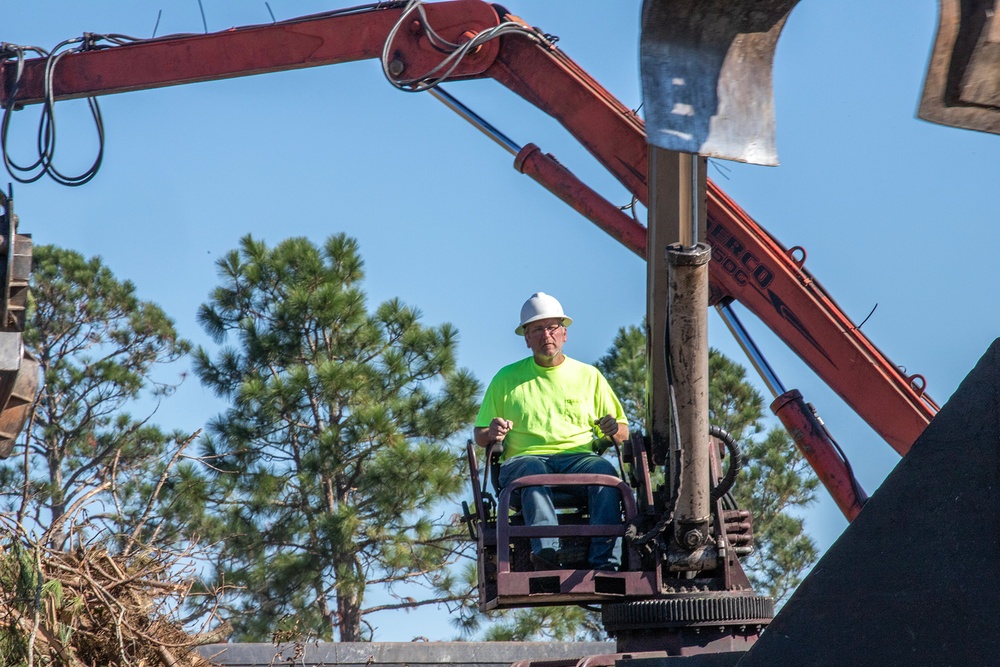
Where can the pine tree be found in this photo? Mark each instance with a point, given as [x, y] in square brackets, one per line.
[333, 459]
[101, 349]
[92, 568]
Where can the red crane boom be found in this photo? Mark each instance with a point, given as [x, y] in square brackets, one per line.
[748, 264]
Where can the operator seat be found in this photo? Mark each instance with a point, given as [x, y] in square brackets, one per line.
[507, 577]
[572, 508]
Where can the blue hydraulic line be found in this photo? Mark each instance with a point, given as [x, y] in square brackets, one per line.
[750, 349]
[482, 124]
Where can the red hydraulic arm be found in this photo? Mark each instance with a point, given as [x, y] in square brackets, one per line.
[748, 264]
[820, 451]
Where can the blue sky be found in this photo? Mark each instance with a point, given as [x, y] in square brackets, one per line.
[892, 210]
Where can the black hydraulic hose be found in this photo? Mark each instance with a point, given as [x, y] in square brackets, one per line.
[721, 489]
[735, 462]
[16, 52]
[859, 493]
[667, 515]
[46, 138]
[621, 460]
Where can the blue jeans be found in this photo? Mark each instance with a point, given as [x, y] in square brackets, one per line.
[536, 501]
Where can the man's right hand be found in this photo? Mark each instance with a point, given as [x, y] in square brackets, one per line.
[499, 428]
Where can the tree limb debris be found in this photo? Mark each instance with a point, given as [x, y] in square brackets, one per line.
[97, 609]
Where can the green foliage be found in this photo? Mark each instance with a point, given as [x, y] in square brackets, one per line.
[733, 403]
[94, 562]
[333, 456]
[624, 366]
[100, 348]
[775, 481]
[19, 579]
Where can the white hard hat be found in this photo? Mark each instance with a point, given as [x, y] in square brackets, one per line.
[541, 306]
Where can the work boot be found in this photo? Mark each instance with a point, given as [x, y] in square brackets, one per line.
[573, 557]
[546, 559]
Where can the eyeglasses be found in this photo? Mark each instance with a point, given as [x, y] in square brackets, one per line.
[550, 330]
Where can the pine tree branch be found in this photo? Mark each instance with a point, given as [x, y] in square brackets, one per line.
[154, 496]
[411, 604]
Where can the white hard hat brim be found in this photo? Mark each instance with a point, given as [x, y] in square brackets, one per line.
[566, 321]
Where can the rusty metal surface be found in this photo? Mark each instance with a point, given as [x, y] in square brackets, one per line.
[750, 266]
[506, 578]
[561, 182]
[706, 76]
[19, 371]
[821, 453]
[610, 660]
[667, 220]
[516, 587]
[14, 273]
[20, 388]
[962, 87]
[307, 41]
[552, 587]
[687, 338]
[11, 345]
[778, 288]
[909, 581]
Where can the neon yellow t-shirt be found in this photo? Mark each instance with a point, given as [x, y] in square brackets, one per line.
[554, 410]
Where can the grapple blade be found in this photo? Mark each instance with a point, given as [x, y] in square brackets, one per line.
[706, 76]
[962, 87]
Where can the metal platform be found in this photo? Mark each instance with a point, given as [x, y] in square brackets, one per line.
[396, 654]
[911, 579]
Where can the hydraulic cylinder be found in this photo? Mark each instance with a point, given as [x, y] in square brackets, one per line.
[687, 327]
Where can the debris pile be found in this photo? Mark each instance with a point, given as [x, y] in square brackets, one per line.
[89, 608]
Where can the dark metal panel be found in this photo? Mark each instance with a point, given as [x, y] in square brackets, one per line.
[911, 580]
[727, 659]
